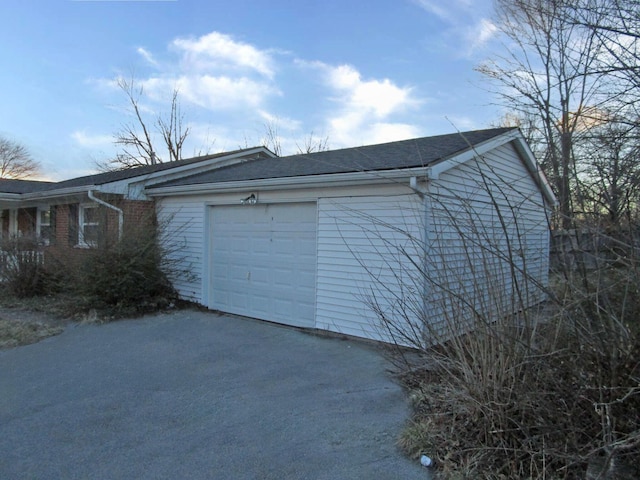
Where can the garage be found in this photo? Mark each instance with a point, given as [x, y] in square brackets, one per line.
[262, 261]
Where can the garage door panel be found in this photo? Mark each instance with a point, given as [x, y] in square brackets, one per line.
[263, 261]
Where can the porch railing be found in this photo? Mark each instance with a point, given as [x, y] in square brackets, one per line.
[13, 260]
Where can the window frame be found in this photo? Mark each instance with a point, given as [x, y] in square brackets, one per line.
[45, 240]
[82, 224]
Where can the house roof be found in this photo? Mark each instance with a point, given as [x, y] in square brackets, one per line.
[22, 186]
[29, 188]
[117, 175]
[419, 152]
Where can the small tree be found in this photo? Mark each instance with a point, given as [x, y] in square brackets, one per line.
[16, 161]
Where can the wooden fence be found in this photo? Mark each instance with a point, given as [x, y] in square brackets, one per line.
[591, 249]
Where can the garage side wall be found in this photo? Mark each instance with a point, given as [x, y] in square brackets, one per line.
[368, 250]
[488, 242]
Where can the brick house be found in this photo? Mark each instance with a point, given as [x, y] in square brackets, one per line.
[68, 218]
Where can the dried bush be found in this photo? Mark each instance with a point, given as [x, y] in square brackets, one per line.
[126, 277]
[22, 268]
[510, 378]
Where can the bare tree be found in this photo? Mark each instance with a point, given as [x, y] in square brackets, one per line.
[137, 139]
[616, 23]
[548, 74]
[310, 144]
[611, 173]
[16, 161]
[313, 144]
[271, 139]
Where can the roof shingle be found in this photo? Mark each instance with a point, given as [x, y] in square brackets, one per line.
[417, 152]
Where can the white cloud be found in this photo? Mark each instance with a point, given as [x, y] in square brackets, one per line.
[435, 7]
[214, 72]
[365, 107]
[464, 26]
[450, 10]
[147, 55]
[282, 122]
[211, 92]
[218, 73]
[92, 141]
[218, 51]
[478, 35]
[377, 97]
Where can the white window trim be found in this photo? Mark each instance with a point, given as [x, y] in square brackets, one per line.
[39, 224]
[13, 222]
[81, 224]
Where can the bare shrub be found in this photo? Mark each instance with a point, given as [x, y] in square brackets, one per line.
[22, 268]
[127, 276]
[509, 378]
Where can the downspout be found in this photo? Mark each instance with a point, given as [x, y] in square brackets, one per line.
[112, 207]
[423, 193]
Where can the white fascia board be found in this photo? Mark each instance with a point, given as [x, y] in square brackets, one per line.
[521, 147]
[10, 197]
[474, 151]
[309, 181]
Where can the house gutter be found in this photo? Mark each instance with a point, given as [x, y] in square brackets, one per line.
[322, 180]
[112, 207]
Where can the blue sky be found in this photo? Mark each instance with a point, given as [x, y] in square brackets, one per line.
[355, 72]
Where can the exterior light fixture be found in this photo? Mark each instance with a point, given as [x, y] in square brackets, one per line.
[250, 200]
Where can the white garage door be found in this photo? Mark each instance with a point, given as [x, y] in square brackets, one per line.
[263, 261]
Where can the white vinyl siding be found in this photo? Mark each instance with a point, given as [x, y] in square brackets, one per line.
[364, 264]
[180, 221]
[484, 218]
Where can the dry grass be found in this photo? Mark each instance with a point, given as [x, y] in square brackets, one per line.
[14, 333]
[557, 401]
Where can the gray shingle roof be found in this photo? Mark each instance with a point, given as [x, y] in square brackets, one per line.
[25, 186]
[387, 156]
[108, 177]
[22, 186]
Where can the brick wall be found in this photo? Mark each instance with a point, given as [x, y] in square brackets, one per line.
[64, 248]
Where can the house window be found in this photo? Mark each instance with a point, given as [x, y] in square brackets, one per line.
[45, 225]
[88, 226]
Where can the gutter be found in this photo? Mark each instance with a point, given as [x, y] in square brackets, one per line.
[112, 207]
[322, 180]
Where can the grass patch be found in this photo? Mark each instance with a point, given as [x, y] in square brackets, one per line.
[14, 333]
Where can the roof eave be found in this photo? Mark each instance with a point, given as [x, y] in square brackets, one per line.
[57, 193]
[190, 169]
[307, 181]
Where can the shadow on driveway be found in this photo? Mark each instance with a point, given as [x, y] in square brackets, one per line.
[201, 396]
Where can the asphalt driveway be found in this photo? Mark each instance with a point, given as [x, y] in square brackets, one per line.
[196, 395]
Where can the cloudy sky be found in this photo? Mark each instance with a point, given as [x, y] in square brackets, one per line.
[353, 72]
